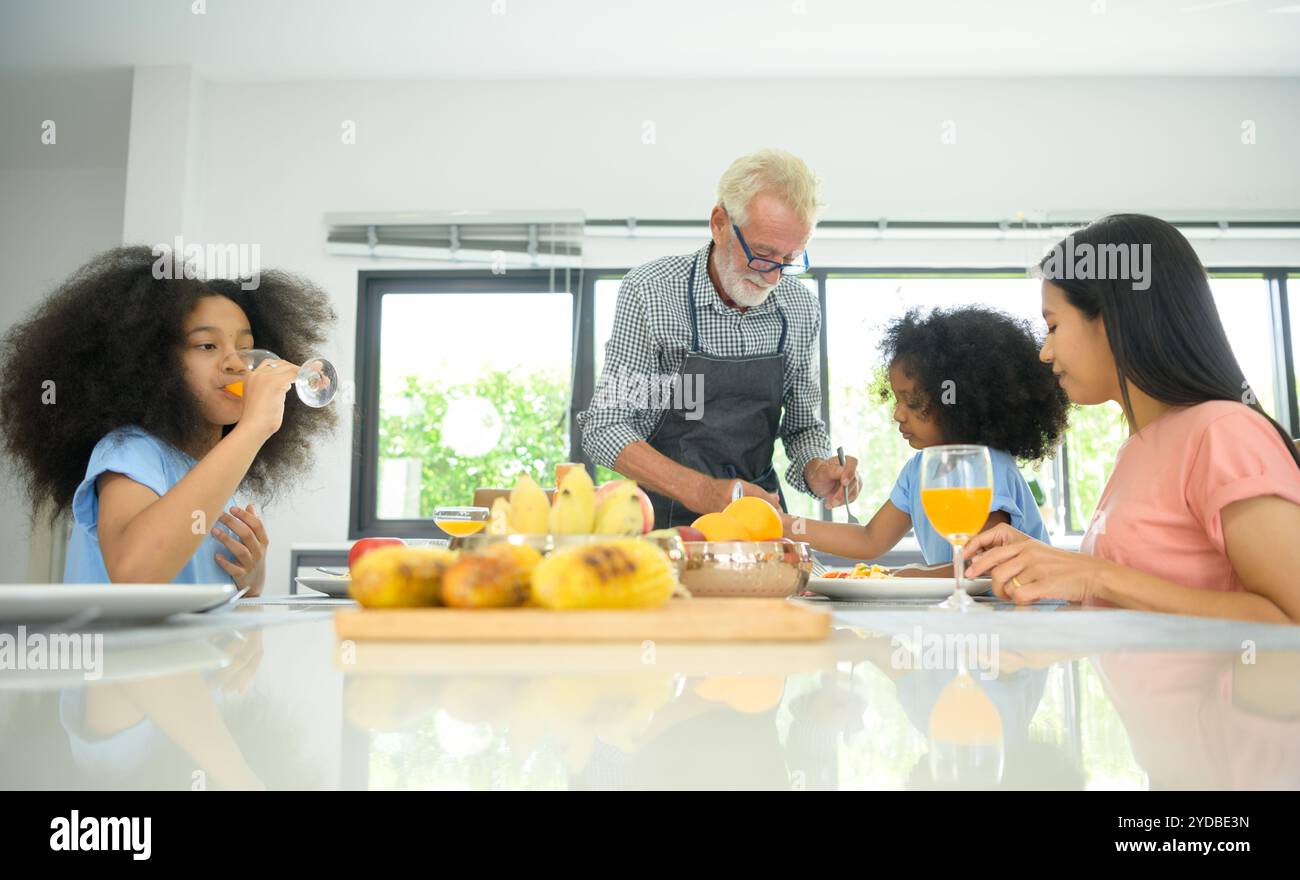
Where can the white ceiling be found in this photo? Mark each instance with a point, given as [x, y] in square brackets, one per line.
[256, 40]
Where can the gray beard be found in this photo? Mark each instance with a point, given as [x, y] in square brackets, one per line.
[740, 293]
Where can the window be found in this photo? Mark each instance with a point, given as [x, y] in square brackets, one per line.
[469, 385]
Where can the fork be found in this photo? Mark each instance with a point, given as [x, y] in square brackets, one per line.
[839, 453]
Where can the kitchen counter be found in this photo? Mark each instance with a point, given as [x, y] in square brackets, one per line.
[898, 697]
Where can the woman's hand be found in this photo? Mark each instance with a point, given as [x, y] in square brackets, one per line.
[248, 546]
[1025, 570]
[264, 391]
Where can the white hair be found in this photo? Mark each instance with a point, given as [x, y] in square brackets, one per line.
[777, 172]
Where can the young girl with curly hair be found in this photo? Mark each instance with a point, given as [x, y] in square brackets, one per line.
[115, 407]
[962, 375]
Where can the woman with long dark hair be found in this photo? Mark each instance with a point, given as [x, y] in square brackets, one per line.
[1201, 514]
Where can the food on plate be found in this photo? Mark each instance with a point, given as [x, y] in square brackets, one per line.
[400, 577]
[574, 510]
[627, 573]
[862, 571]
[366, 545]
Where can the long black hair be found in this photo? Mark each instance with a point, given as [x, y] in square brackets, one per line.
[1166, 336]
[108, 341]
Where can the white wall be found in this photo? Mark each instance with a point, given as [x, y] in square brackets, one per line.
[59, 204]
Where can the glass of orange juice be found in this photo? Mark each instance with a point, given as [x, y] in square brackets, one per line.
[957, 492]
[461, 522]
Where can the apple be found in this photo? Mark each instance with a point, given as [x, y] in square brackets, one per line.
[689, 533]
[647, 509]
[365, 545]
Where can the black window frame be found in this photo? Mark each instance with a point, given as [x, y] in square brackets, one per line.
[372, 285]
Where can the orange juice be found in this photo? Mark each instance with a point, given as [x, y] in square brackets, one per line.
[460, 528]
[957, 511]
[964, 714]
[235, 388]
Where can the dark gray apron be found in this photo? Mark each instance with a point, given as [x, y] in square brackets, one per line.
[740, 418]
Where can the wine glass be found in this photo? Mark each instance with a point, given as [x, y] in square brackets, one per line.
[461, 522]
[957, 492]
[317, 381]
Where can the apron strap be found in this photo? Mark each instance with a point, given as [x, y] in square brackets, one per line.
[690, 306]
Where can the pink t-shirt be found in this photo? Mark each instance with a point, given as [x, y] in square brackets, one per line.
[1160, 510]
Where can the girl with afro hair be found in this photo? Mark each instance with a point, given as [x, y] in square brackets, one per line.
[115, 408]
[962, 375]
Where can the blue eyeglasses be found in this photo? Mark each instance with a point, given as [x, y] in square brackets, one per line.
[762, 264]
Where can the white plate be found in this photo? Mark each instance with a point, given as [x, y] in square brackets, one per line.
[328, 584]
[850, 589]
[21, 603]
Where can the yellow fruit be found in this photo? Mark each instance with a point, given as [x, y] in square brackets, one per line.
[522, 556]
[760, 519]
[721, 527]
[619, 510]
[499, 518]
[574, 511]
[628, 573]
[529, 508]
[485, 582]
[400, 577]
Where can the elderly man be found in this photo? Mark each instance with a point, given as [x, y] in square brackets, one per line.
[730, 336]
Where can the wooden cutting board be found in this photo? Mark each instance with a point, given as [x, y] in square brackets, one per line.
[681, 620]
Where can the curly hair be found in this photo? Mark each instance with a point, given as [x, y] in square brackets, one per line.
[110, 338]
[1005, 397]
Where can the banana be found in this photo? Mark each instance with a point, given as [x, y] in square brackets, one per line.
[619, 511]
[499, 518]
[622, 573]
[574, 511]
[529, 508]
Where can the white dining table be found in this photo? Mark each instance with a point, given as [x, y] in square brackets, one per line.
[897, 697]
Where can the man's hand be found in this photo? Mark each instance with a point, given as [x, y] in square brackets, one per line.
[718, 491]
[831, 482]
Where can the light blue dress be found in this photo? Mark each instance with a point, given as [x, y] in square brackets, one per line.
[1010, 493]
[149, 461]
